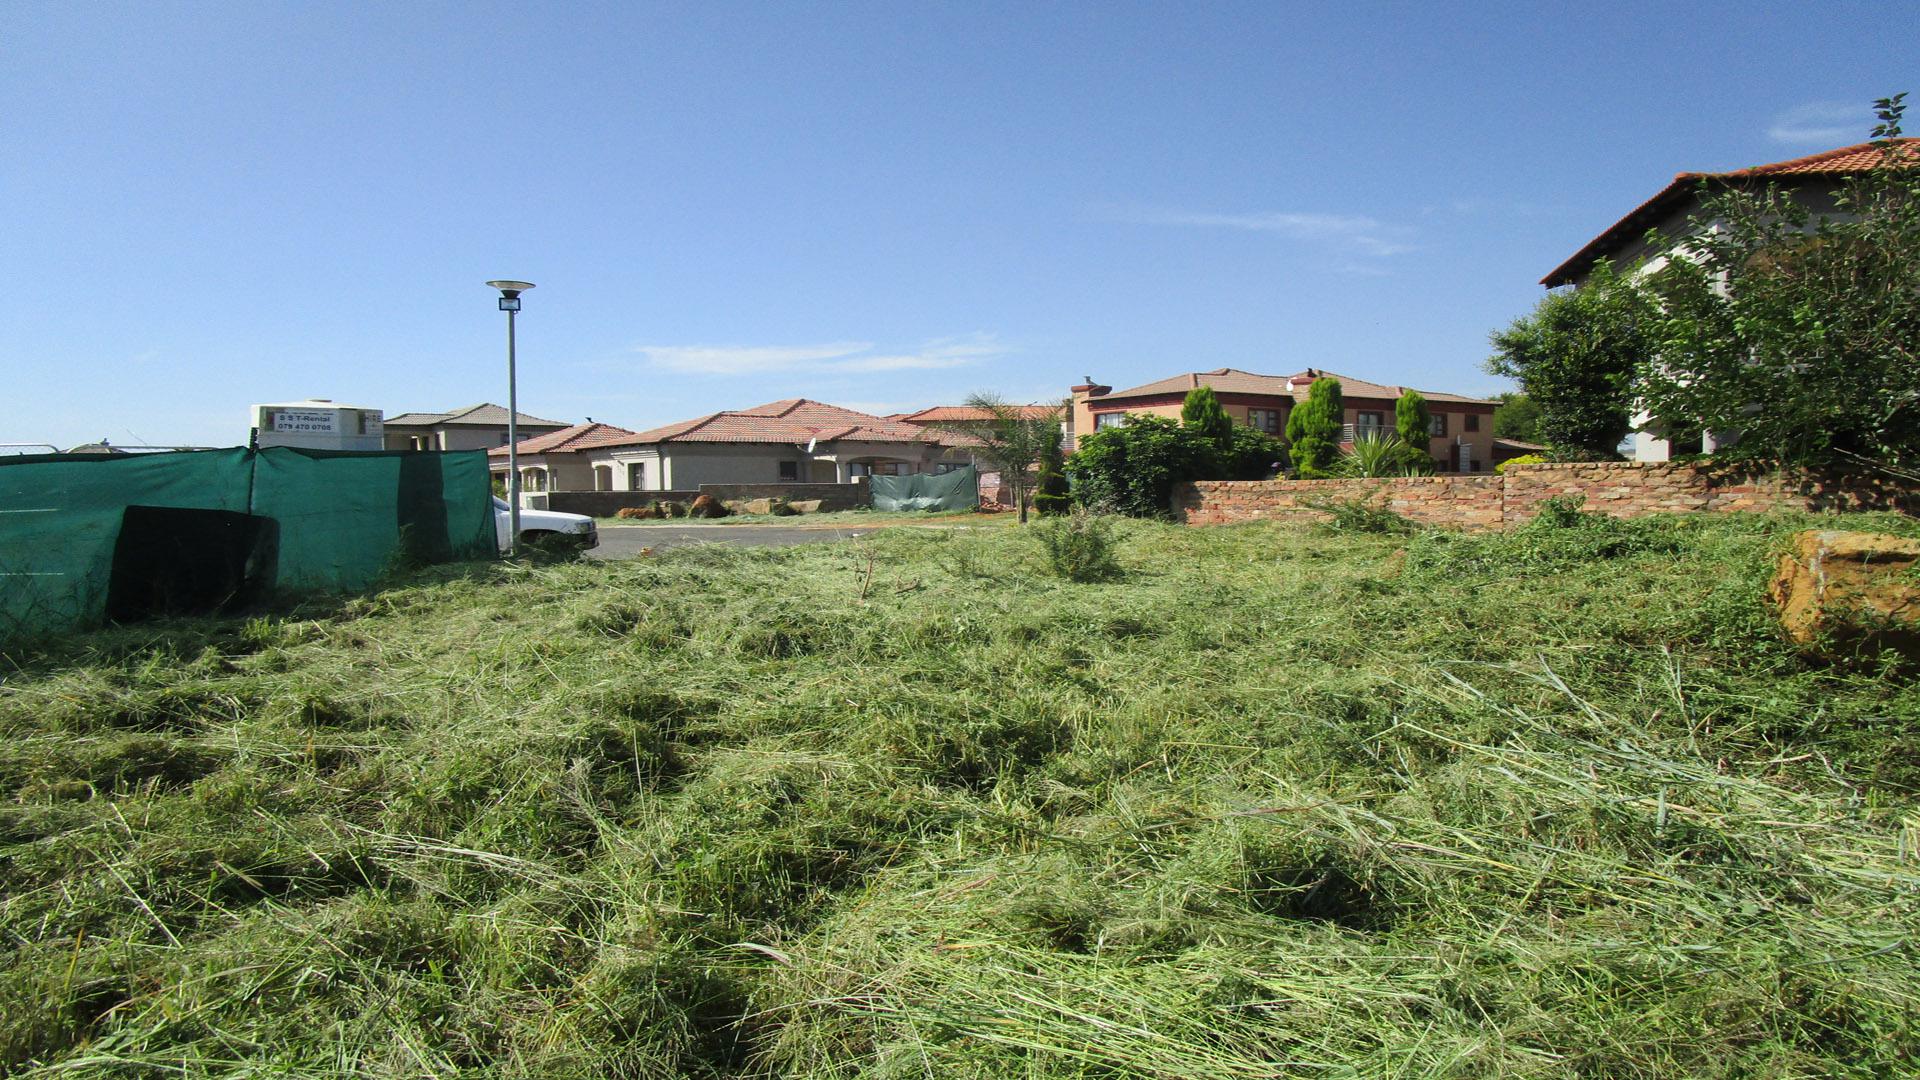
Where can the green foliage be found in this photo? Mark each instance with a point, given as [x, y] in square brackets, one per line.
[1018, 445]
[1362, 514]
[1528, 804]
[1313, 430]
[1516, 417]
[1382, 455]
[1577, 356]
[1412, 421]
[1131, 469]
[1797, 334]
[1080, 547]
[1522, 459]
[1250, 454]
[1202, 412]
[1051, 494]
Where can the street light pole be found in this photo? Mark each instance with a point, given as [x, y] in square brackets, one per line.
[510, 303]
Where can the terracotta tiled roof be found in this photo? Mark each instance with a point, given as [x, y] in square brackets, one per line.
[951, 414]
[569, 440]
[1235, 381]
[793, 420]
[1845, 161]
[485, 414]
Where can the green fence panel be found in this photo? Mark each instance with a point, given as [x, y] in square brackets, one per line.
[60, 517]
[348, 517]
[956, 490]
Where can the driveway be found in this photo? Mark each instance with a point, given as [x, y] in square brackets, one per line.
[625, 541]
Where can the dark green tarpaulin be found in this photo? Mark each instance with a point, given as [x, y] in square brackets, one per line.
[332, 520]
[60, 518]
[347, 517]
[957, 490]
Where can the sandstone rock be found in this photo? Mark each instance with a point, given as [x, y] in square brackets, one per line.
[804, 506]
[756, 506]
[1850, 590]
[783, 508]
[706, 506]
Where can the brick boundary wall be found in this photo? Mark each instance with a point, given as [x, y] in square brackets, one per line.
[1487, 501]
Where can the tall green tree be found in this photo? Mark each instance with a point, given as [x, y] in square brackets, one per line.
[1203, 413]
[1577, 356]
[1517, 416]
[1799, 336]
[1013, 440]
[1413, 422]
[1313, 430]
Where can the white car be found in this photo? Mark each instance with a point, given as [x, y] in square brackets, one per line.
[540, 524]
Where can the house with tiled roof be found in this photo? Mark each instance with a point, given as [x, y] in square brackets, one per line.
[558, 461]
[475, 427]
[794, 440]
[1812, 182]
[1460, 439]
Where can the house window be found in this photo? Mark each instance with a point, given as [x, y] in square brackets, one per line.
[636, 476]
[1267, 420]
[503, 438]
[1437, 425]
[789, 470]
[1102, 421]
[1473, 421]
[533, 479]
[941, 468]
[1367, 424]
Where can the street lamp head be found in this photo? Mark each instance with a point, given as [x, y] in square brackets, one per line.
[510, 293]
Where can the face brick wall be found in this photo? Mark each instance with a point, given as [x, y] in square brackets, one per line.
[1621, 488]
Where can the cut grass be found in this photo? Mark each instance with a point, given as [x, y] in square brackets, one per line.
[1274, 802]
[834, 519]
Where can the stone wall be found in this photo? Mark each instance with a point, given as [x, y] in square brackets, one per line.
[608, 503]
[832, 496]
[1467, 502]
[1483, 501]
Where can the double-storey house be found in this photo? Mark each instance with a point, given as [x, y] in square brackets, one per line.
[1460, 438]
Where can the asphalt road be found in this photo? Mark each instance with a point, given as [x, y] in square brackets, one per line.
[625, 541]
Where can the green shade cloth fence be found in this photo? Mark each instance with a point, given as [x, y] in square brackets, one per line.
[956, 490]
[321, 520]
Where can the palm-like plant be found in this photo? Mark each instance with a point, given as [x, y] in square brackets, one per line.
[1379, 455]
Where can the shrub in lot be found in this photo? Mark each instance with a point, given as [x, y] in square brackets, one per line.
[1080, 547]
[1131, 469]
[1362, 514]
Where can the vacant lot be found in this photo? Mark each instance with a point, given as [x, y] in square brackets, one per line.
[1276, 802]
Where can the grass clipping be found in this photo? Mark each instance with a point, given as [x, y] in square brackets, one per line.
[1263, 801]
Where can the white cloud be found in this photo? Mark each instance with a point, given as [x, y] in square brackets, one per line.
[1351, 233]
[849, 357]
[1822, 122]
[745, 359]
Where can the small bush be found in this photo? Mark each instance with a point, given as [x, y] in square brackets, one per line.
[1080, 547]
[1359, 515]
[1523, 459]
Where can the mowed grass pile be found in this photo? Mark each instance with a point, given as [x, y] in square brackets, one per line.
[1277, 801]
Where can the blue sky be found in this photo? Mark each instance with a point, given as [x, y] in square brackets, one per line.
[883, 206]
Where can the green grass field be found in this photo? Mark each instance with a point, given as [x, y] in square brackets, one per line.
[1277, 802]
